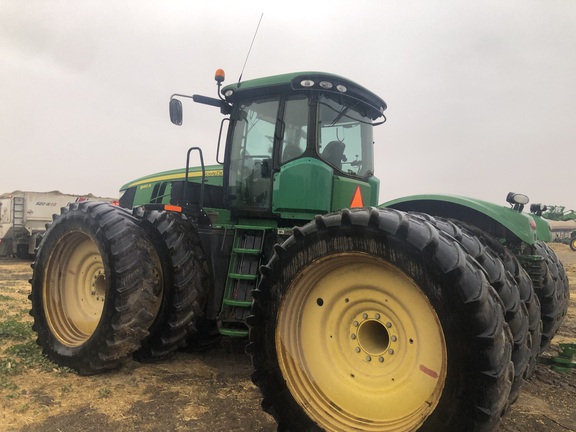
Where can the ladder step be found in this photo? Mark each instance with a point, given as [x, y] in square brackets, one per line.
[233, 332]
[246, 251]
[238, 303]
[242, 276]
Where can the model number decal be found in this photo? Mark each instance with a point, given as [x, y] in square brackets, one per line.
[46, 204]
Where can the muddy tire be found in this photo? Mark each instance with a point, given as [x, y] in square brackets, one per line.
[374, 320]
[516, 313]
[184, 283]
[551, 286]
[525, 289]
[530, 299]
[93, 287]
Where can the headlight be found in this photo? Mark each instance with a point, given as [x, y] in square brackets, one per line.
[516, 198]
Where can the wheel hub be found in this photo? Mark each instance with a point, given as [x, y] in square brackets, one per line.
[99, 285]
[374, 336]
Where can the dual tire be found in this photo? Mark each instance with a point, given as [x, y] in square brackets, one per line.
[107, 283]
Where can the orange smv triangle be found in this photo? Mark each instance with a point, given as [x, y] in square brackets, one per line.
[357, 199]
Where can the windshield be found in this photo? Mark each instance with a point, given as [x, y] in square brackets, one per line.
[345, 136]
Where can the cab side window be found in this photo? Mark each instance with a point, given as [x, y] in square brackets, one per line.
[295, 128]
[251, 153]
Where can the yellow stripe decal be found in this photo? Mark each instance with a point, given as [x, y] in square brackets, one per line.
[214, 173]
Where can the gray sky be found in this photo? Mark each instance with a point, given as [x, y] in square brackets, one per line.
[481, 94]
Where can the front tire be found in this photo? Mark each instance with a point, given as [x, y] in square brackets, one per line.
[374, 320]
[93, 287]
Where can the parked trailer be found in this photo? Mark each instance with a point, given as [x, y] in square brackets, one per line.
[24, 215]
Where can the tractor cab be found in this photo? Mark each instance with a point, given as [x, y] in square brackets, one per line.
[297, 145]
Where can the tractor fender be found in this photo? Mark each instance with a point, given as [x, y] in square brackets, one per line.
[504, 223]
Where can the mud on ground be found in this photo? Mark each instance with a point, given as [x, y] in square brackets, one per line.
[209, 391]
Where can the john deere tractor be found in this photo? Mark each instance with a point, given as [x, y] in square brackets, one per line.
[425, 313]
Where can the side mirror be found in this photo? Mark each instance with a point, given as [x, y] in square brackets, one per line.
[176, 112]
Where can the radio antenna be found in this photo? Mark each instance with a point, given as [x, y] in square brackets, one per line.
[250, 49]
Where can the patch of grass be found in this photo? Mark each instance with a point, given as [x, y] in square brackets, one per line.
[7, 384]
[23, 408]
[30, 354]
[5, 298]
[16, 330]
[10, 366]
[104, 393]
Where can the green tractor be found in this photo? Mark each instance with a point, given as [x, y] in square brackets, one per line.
[426, 313]
[556, 213]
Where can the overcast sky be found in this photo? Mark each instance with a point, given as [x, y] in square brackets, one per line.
[481, 94]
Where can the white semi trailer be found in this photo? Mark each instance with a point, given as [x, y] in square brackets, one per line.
[24, 215]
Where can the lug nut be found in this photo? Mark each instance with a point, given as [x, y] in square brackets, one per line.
[381, 359]
[391, 351]
[365, 315]
[388, 324]
[377, 316]
[353, 336]
[368, 358]
[355, 323]
[357, 349]
[394, 338]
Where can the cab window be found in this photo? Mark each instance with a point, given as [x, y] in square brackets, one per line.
[345, 138]
[251, 153]
[295, 128]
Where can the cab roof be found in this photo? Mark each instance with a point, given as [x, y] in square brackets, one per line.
[303, 81]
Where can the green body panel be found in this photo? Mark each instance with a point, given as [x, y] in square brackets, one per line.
[156, 188]
[344, 191]
[485, 215]
[374, 190]
[542, 228]
[221, 218]
[302, 189]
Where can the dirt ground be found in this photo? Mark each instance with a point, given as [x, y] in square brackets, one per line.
[210, 390]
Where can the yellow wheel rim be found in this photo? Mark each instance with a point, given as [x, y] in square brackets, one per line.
[573, 244]
[75, 289]
[360, 346]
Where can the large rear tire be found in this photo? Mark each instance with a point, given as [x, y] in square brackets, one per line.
[475, 242]
[573, 244]
[94, 289]
[184, 283]
[553, 291]
[374, 320]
